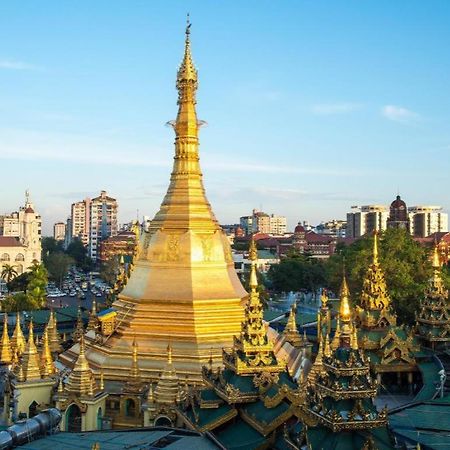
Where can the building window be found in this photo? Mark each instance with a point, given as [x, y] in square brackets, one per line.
[5, 257]
[20, 257]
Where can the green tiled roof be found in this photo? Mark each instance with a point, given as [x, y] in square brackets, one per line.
[208, 415]
[264, 415]
[240, 436]
[430, 377]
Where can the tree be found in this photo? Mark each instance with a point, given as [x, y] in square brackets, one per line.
[297, 272]
[109, 270]
[19, 283]
[57, 264]
[36, 292]
[406, 266]
[51, 245]
[18, 302]
[8, 273]
[78, 252]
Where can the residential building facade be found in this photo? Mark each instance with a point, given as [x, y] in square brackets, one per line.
[426, 220]
[59, 231]
[366, 219]
[261, 222]
[103, 221]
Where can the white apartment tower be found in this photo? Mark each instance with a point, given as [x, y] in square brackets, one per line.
[59, 231]
[426, 220]
[261, 222]
[366, 219]
[103, 221]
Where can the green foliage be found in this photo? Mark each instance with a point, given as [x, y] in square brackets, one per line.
[19, 283]
[8, 273]
[36, 286]
[18, 302]
[406, 265]
[57, 265]
[78, 252]
[297, 272]
[51, 245]
[109, 270]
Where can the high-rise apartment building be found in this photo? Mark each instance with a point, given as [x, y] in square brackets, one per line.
[80, 220]
[426, 220]
[366, 219]
[103, 221]
[93, 220]
[59, 231]
[261, 222]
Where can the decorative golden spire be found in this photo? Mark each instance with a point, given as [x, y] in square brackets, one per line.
[18, 340]
[375, 248]
[30, 361]
[5, 349]
[80, 379]
[290, 331]
[252, 351]
[345, 313]
[53, 335]
[93, 321]
[102, 380]
[47, 366]
[354, 338]
[79, 329]
[437, 283]
[134, 361]
[167, 388]
[327, 349]
[374, 295]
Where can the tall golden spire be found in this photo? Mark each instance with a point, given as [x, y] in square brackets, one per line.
[345, 313]
[47, 366]
[53, 335]
[30, 362]
[5, 349]
[374, 295]
[186, 192]
[18, 340]
[93, 320]
[167, 388]
[252, 351]
[81, 378]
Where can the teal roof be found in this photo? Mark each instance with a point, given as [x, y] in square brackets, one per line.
[240, 436]
[324, 438]
[426, 423]
[133, 439]
[430, 378]
[206, 416]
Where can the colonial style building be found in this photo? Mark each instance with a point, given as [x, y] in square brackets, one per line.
[20, 238]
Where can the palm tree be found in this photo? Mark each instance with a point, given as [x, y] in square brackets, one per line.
[9, 273]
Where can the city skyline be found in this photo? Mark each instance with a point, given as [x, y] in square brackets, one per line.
[91, 118]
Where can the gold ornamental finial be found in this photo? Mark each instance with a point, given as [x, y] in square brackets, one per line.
[102, 380]
[436, 263]
[18, 340]
[253, 256]
[344, 308]
[47, 366]
[30, 362]
[169, 353]
[354, 339]
[327, 349]
[375, 247]
[5, 349]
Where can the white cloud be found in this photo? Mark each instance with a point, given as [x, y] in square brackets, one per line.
[327, 109]
[398, 113]
[17, 65]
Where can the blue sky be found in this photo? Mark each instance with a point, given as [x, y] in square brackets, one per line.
[312, 106]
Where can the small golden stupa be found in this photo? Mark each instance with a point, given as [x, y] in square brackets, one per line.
[183, 287]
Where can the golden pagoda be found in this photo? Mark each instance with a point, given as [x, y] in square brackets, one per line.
[391, 348]
[183, 288]
[341, 397]
[18, 340]
[5, 348]
[53, 335]
[252, 351]
[30, 357]
[374, 310]
[433, 320]
[46, 361]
